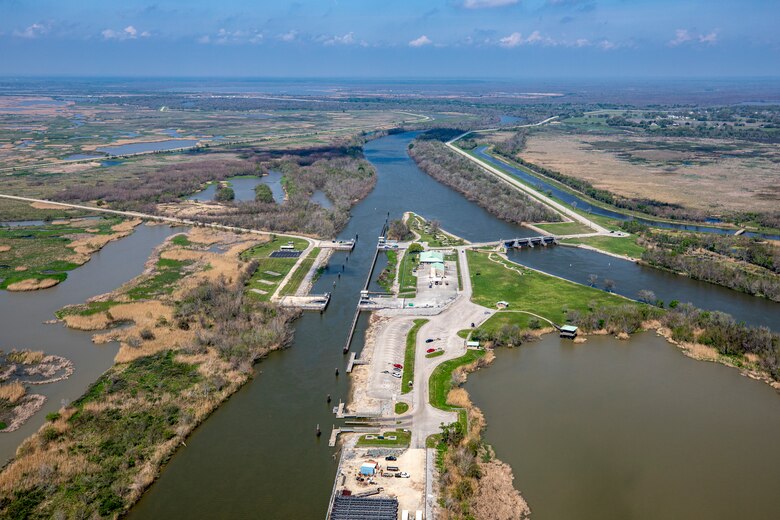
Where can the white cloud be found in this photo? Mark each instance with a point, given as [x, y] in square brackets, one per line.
[485, 4]
[680, 36]
[516, 39]
[421, 41]
[128, 33]
[32, 31]
[684, 36]
[710, 38]
[607, 45]
[347, 39]
[581, 42]
[289, 36]
[513, 40]
[535, 37]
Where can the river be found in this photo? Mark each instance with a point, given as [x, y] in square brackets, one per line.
[257, 455]
[22, 317]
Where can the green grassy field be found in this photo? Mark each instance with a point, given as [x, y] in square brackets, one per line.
[565, 228]
[402, 438]
[387, 276]
[407, 280]
[440, 383]
[266, 263]
[298, 276]
[401, 408]
[162, 282]
[411, 344]
[531, 291]
[438, 239]
[621, 246]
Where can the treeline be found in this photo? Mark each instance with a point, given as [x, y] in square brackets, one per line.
[689, 324]
[716, 270]
[159, 184]
[745, 264]
[648, 206]
[344, 180]
[447, 167]
[670, 128]
[512, 146]
[754, 251]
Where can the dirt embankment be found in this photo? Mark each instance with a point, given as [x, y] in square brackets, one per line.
[32, 284]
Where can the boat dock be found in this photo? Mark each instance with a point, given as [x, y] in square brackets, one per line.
[312, 302]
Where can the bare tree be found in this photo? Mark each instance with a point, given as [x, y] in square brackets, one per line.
[592, 278]
[609, 285]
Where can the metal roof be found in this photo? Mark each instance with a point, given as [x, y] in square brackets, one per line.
[359, 508]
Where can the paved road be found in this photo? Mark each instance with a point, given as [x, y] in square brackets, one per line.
[514, 182]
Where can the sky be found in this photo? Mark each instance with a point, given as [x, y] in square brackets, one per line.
[396, 38]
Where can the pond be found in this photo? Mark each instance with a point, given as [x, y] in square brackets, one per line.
[630, 429]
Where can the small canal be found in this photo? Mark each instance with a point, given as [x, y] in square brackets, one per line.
[582, 204]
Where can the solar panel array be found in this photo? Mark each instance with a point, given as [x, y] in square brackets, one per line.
[285, 254]
[357, 508]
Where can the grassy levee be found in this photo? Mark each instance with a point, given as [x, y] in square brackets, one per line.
[260, 279]
[607, 222]
[498, 279]
[407, 283]
[565, 228]
[300, 273]
[627, 246]
[387, 276]
[411, 344]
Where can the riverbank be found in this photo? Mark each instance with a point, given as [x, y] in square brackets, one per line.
[173, 369]
[38, 256]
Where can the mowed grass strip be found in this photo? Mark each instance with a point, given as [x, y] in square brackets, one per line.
[627, 246]
[407, 284]
[440, 383]
[565, 228]
[300, 273]
[411, 345]
[402, 438]
[531, 291]
[260, 280]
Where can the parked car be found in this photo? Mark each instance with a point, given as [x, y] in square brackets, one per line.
[429, 340]
[430, 350]
[391, 457]
[398, 365]
[404, 474]
[393, 468]
[396, 375]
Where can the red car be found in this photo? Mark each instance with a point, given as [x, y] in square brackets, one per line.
[397, 365]
[430, 350]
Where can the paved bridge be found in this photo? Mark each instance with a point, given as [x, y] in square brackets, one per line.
[517, 243]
